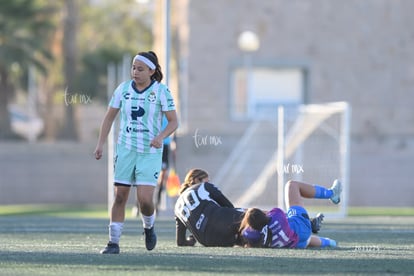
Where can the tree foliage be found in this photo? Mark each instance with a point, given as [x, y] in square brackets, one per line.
[29, 29]
[25, 31]
[108, 32]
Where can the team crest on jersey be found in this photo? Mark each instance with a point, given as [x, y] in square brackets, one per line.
[152, 97]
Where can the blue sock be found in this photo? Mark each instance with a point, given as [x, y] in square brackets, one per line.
[325, 242]
[322, 192]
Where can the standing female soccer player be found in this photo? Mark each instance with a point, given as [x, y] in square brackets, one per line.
[276, 229]
[206, 213]
[142, 102]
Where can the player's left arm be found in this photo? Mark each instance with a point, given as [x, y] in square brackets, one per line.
[172, 125]
[169, 110]
[218, 196]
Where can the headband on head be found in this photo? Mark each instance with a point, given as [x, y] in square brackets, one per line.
[145, 60]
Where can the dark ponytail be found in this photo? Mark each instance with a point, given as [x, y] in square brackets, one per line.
[153, 57]
[254, 218]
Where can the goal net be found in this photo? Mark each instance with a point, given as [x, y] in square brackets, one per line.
[313, 146]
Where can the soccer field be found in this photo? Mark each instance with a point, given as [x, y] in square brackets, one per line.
[61, 244]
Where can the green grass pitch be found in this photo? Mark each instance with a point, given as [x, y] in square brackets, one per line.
[52, 240]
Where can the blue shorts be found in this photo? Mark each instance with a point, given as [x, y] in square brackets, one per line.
[299, 222]
[134, 168]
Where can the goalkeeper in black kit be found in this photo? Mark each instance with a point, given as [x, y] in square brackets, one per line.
[203, 209]
[209, 215]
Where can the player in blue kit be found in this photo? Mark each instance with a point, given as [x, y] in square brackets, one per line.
[142, 102]
[277, 229]
[206, 213]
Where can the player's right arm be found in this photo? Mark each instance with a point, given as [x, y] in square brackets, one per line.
[104, 130]
[181, 231]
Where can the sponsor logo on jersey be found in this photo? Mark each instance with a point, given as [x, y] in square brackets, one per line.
[200, 221]
[137, 111]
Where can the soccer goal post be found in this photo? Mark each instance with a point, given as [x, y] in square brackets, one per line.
[313, 146]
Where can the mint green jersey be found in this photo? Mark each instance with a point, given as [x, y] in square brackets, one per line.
[141, 114]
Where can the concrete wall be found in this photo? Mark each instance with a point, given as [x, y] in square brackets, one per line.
[63, 172]
[356, 51]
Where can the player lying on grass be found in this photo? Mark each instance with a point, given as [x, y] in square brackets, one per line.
[209, 215]
[277, 229]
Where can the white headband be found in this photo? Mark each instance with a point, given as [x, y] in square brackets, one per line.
[145, 60]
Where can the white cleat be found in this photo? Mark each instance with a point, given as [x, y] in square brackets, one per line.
[337, 189]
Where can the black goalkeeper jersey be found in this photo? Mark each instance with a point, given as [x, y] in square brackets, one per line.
[208, 215]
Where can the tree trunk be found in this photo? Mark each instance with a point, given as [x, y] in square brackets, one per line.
[69, 130]
[5, 124]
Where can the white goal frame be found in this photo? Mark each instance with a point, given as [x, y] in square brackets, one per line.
[288, 142]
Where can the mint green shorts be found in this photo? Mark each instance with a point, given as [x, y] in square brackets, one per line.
[135, 168]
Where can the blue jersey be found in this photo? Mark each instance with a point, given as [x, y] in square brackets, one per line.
[276, 234]
[141, 114]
